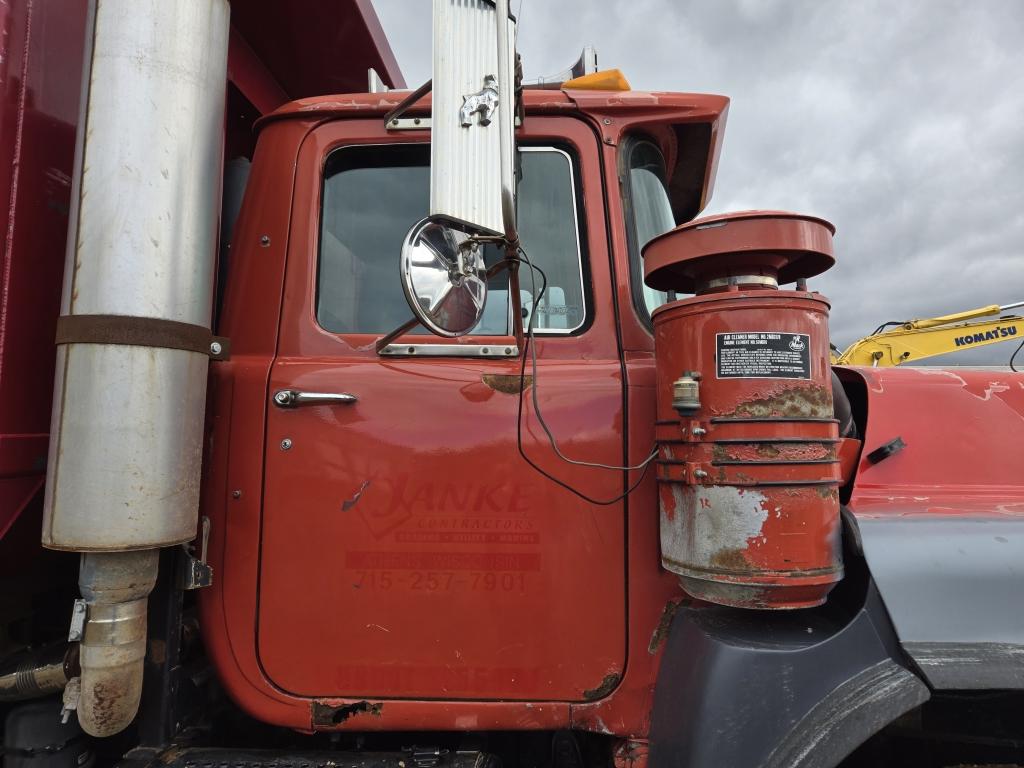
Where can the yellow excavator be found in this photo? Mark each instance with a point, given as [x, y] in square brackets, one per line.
[915, 340]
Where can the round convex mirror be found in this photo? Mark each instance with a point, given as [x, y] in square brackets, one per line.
[444, 277]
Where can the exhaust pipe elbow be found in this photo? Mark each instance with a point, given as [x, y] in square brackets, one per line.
[116, 587]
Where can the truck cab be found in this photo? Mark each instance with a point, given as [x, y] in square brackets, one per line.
[470, 444]
[408, 511]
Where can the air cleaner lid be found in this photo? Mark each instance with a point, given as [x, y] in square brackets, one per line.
[780, 244]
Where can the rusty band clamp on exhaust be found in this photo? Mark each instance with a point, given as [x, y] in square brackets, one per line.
[141, 332]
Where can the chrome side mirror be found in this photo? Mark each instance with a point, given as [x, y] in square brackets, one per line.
[444, 277]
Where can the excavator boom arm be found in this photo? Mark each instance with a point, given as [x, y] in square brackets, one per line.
[910, 343]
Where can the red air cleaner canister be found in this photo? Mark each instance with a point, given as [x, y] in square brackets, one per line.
[748, 473]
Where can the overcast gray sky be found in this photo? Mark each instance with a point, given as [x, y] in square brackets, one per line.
[902, 122]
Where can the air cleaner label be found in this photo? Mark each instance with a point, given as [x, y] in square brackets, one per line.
[763, 355]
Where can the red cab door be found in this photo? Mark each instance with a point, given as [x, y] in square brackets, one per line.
[408, 550]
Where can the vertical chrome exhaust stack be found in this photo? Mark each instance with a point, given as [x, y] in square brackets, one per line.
[133, 339]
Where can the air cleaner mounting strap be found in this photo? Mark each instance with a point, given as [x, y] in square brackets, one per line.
[141, 332]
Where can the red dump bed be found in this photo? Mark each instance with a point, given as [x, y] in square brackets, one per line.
[278, 52]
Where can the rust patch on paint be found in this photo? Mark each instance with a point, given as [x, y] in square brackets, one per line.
[808, 401]
[664, 624]
[508, 384]
[327, 714]
[730, 560]
[776, 453]
[609, 684]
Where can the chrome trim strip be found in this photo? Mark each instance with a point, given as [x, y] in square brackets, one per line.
[419, 124]
[450, 350]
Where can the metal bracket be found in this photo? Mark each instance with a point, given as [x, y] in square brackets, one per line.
[78, 615]
[375, 83]
[403, 106]
[69, 698]
[419, 124]
[408, 124]
[195, 573]
[694, 431]
[696, 474]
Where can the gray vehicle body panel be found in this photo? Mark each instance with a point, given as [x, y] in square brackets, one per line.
[954, 590]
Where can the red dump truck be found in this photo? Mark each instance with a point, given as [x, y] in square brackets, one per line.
[431, 428]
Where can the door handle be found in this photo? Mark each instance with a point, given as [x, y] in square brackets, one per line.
[292, 398]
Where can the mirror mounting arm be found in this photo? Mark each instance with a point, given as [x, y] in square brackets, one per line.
[383, 341]
[408, 102]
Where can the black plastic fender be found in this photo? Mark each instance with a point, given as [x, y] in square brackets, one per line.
[803, 689]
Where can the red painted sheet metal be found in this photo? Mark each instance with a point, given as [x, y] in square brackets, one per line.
[749, 481]
[617, 114]
[654, 593]
[776, 243]
[314, 47]
[40, 64]
[849, 457]
[278, 51]
[588, 668]
[442, 534]
[643, 106]
[22, 463]
[962, 430]
[613, 116]
[252, 77]
[622, 696]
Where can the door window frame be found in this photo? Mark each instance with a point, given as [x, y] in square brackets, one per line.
[298, 333]
[634, 248]
[490, 345]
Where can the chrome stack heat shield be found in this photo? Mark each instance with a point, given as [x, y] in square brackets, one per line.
[133, 339]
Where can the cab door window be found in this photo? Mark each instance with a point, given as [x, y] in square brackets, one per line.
[648, 214]
[373, 195]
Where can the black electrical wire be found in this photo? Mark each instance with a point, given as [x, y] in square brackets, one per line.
[530, 346]
[1014, 355]
[888, 324]
[536, 400]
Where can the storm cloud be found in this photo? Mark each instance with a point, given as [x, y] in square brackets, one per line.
[900, 122]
